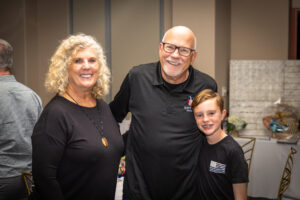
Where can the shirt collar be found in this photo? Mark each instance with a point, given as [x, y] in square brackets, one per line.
[6, 78]
[158, 79]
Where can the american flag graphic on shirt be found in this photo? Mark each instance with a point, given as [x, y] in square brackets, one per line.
[217, 167]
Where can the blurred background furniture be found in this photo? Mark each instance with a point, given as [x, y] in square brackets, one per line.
[268, 162]
[255, 85]
[28, 181]
[248, 148]
[287, 173]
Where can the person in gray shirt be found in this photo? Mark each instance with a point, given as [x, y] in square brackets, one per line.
[20, 108]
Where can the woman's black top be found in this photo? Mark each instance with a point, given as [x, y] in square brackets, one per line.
[69, 159]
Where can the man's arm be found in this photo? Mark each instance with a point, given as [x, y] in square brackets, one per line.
[120, 105]
[240, 191]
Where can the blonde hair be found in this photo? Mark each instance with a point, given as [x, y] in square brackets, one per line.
[57, 76]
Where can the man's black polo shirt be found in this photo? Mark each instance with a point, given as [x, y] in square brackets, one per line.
[163, 141]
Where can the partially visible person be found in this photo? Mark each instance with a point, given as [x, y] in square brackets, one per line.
[77, 145]
[20, 108]
[223, 171]
[163, 139]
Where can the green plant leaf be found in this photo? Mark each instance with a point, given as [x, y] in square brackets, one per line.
[230, 126]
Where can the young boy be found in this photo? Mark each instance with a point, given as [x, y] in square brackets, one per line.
[222, 168]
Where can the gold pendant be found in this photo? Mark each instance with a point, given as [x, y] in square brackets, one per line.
[104, 141]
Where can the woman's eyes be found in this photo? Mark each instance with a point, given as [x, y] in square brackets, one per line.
[80, 60]
[77, 61]
[92, 60]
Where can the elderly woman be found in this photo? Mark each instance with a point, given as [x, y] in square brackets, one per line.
[76, 142]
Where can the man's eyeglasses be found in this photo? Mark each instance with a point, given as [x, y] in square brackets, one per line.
[183, 51]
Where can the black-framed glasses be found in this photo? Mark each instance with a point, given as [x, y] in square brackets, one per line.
[183, 51]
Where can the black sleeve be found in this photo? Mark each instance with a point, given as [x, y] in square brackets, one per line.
[212, 84]
[239, 167]
[120, 105]
[216, 87]
[124, 137]
[48, 144]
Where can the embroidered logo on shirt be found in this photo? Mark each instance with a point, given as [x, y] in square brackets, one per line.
[190, 100]
[188, 108]
[216, 167]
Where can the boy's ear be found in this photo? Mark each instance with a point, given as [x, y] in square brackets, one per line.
[224, 113]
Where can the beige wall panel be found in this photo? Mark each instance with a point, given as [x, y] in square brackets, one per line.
[295, 3]
[134, 36]
[12, 14]
[222, 55]
[31, 45]
[259, 29]
[53, 26]
[199, 15]
[89, 18]
[168, 14]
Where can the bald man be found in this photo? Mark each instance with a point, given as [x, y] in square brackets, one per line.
[163, 141]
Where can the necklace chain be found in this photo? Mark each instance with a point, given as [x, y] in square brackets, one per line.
[72, 98]
[99, 128]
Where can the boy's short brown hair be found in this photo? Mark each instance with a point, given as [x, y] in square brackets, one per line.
[205, 95]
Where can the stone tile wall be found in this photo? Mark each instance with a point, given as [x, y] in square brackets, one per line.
[256, 84]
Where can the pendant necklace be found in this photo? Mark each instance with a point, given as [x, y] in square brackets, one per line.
[98, 127]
